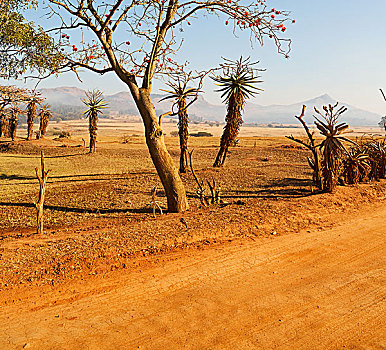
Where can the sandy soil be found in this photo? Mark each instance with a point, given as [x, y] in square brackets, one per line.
[275, 265]
[315, 290]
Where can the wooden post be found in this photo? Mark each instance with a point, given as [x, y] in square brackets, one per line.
[42, 192]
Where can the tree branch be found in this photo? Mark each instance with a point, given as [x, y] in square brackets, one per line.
[384, 97]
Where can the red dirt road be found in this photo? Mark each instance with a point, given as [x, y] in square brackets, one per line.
[311, 290]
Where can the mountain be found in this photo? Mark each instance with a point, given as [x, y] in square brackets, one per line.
[284, 114]
[66, 102]
[63, 96]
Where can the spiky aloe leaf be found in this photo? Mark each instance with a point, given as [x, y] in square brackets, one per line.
[243, 82]
[95, 103]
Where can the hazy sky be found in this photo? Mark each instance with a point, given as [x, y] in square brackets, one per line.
[339, 48]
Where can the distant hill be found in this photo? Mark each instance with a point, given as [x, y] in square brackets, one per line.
[285, 113]
[66, 103]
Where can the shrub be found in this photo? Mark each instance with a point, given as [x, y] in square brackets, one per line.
[202, 134]
[62, 134]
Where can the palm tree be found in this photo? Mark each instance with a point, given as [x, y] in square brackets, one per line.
[180, 93]
[237, 85]
[95, 104]
[332, 146]
[33, 101]
[45, 114]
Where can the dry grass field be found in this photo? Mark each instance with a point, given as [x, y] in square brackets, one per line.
[99, 223]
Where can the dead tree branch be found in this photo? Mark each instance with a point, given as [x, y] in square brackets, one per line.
[383, 94]
[154, 203]
[42, 192]
[201, 190]
[214, 188]
[312, 145]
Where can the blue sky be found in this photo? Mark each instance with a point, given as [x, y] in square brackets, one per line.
[339, 48]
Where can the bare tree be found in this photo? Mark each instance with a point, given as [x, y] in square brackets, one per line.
[312, 145]
[330, 154]
[151, 31]
[42, 178]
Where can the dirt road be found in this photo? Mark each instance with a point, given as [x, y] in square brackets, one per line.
[309, 290]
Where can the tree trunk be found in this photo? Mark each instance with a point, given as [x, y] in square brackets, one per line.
[331, 166]
[318, 175]
[224, 155]
[219, 159]
[163, 162]
[30, 121]
[183, 160]
[5, 126]
[30, 129]
[93, 120]
[183, 133]
[1, 124]
[12, 127]
[44, 119]
[40, 133]
[233, 122]
[92, 143]
[39, 214]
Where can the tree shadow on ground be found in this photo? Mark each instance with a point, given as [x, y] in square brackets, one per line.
[143, 210]
[281, 188]
[75, 178]
[63, 178]
[37, 156]
[16, 177]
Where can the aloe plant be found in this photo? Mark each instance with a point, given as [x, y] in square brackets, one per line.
[181, 93]
[377, 152]
[332, 146]
[357, 165]
[45, 114]
[32, 104]
[14, 111]
[95, 103]
[237, 84]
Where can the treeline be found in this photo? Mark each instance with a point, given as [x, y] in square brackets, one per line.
[66, 112]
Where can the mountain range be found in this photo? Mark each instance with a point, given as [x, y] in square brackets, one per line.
[66, 103]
